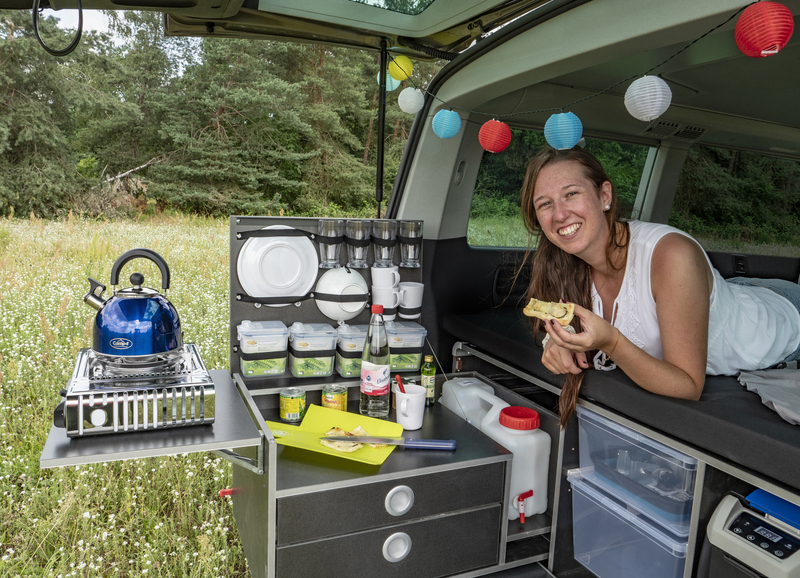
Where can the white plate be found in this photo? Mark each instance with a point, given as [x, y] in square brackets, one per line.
[341, 281]
[277, 266]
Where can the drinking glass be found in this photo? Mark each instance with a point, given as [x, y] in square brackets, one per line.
[358, 231]
[410, 243]
[329, 252]
[384, 238]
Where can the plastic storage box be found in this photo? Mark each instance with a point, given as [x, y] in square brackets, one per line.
[614, 542]
[643, 473]
[405, 345]
[312, 347]
[262, 348]
[349, 349]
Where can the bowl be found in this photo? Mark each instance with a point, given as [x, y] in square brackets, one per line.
[341, 281]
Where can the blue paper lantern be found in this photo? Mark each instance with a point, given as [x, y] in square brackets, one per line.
[391, 82]
[446, 123]
[563, 131]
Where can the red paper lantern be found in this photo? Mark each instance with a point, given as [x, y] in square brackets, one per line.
[494, 136]
[764, 29]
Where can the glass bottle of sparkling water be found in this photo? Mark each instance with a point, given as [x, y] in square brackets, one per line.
[375, 379]
[429, 379]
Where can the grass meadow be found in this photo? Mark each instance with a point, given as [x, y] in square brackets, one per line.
[151, 517]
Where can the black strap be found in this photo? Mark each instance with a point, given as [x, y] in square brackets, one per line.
[332, 240]
[352, 298]
[409, 310]
[351, 354]
[402, 350]
[384, 242]
[312, 353]
[356, 242]
[258, 356]
[257, 233]
[409, 240]
[392, 311]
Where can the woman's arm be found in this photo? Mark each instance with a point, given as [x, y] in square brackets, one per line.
[681, 285]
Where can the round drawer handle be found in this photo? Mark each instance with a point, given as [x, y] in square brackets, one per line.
[396, 547]
[399, 500]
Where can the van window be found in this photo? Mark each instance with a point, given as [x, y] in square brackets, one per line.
[739, 202]
[495, 219]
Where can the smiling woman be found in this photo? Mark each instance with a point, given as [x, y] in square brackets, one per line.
[645, 294]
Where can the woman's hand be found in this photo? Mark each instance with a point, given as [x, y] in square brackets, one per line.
[597, 334]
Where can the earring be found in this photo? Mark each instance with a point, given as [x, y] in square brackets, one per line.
[607, 207]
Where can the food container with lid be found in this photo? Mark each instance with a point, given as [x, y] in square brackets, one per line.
[349, 348]
[406, 340]
[312, 347]
[262, 347]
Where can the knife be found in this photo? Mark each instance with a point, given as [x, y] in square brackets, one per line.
[410, 443]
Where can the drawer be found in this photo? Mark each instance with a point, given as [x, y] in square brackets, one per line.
[327, 513]
[439, 546]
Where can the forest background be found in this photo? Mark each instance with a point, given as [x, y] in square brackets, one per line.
[134, 123]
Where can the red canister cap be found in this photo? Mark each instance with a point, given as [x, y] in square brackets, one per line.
[377, 309]
[515, 417]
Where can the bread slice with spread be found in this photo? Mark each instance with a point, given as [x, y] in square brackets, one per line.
[561, 312]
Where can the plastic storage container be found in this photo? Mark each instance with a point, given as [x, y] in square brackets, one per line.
[405, 345]
[262, 347]
[517, 429]
[614, 542]
[645, 474]
[349, 346]
[312, 347]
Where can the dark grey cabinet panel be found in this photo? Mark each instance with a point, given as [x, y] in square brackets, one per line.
[439, 546]
[327, 513]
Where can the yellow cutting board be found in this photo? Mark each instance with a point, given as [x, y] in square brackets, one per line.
[318, 420]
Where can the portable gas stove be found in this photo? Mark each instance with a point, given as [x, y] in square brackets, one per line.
[117, 394]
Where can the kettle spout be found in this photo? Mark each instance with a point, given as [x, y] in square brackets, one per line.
[93, 297]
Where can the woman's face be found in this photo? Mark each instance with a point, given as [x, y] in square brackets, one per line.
[570, 209]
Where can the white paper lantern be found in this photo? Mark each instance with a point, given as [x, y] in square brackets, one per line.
[648, 98]
[411, 100]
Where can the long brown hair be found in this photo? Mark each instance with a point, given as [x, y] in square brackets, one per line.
[555, 273]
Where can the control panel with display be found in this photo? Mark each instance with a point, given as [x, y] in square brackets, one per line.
[762, 535]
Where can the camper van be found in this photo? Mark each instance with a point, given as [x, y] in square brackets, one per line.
[638, 484]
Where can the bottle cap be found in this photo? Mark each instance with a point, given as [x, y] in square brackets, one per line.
[515, 417]
[377, 309]
[429, 358]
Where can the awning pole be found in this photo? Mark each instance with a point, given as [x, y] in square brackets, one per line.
[381, 125]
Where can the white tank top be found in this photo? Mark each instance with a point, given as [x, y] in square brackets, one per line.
[737, 313]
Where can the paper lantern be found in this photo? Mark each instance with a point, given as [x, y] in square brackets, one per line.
[446, 123]
[391, 83]
[647, 98]
[401, 67]
[763, 29]
[411, 100]
[563, 130]
[495, 136]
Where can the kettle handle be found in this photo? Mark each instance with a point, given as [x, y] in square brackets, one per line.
[141, 253]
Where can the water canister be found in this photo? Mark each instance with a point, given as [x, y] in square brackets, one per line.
[517, 429]
[470, 399]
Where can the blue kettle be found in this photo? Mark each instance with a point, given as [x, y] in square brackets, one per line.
[136, 320]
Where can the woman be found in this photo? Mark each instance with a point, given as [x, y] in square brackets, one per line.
[646, 294]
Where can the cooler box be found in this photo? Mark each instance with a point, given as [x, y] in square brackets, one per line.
[312, 347]
[614, 542]
[406, 340]
[641, 472]
[349, 348]
[262, 348]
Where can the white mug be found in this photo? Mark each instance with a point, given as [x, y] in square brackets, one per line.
[389, 297]
[411, 298]
[385, 276]
[410, 405]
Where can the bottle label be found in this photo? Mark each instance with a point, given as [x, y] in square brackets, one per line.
[429, 383]
[374, 378]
